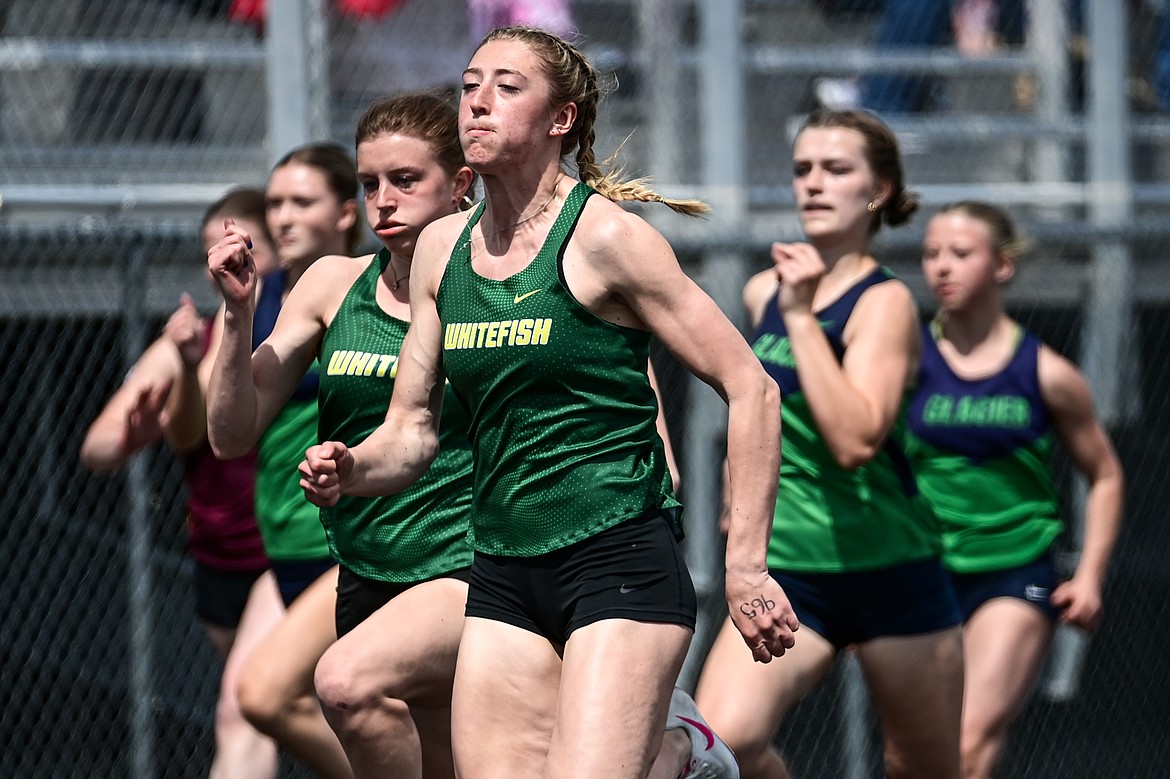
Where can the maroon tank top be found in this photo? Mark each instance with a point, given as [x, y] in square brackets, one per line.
[221, 518]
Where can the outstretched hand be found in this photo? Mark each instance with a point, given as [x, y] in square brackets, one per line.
[145, 416]
[761, 612]
[231, 265]
[1079, 603]
[322, 470]
[185, 331]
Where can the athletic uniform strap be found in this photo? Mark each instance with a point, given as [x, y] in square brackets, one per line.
[828, 519]
[420, 533]
[981, 450]
[562, 413]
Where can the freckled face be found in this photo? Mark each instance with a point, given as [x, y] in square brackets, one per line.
[959, 260]
[833, 183]
[404, 188]
[505, 107]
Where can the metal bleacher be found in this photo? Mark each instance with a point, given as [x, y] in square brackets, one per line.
[990, 145]
[106, 112]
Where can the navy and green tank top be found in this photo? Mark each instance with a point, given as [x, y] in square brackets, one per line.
[981, 450]
[829, 519]
[562, 412]
[288, 522]
[420, 533]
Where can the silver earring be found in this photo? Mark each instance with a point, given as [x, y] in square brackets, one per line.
[871, 207]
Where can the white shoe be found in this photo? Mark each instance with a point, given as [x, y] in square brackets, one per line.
[710, 757]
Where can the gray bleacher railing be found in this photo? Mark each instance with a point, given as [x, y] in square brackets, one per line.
[74, 302]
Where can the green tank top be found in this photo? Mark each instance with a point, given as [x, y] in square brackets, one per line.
[829, 519]
[562, 413]
[289, 523]
[420, 533]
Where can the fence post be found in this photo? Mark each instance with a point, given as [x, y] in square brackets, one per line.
[1046, 39]
[1107, 356]
[1107, 350]
[139, 577]
[660, 81]
[297, 60]
[722, 138]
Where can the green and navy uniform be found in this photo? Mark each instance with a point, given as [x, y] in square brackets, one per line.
[981, 450]
[562, 412]
[288, 522]
[417, 534]
[829, 519]
[856, 550]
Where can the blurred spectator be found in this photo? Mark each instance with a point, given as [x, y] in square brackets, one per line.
[1161, 68]
[1149, 64]
[550, 15]
[977, 27]
[254, 12]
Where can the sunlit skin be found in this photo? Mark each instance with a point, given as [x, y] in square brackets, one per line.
[961, 265]
[304, 215]
[833, 185]
[505, 101]
[404, 188]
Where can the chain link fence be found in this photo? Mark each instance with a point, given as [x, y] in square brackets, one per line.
[120, 121]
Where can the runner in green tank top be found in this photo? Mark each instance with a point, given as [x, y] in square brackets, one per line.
[420, 533]
[385, 685]
[312, 212]
[564, 415]
[988, 473]
[539, 310]
[853, 544]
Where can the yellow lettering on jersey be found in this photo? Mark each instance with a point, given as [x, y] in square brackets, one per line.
[339, 362]
[491, 335]
[523, 332]
[540, 331]
[348, 362]
[384, 362]
[335, 361]
[481, 327]
[358, 366]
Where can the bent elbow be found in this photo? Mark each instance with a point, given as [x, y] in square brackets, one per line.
[184, 445]
[766, 396]
[226, 450]
[771, 392]
[428, 451]
[93, 460]
[850, 458]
